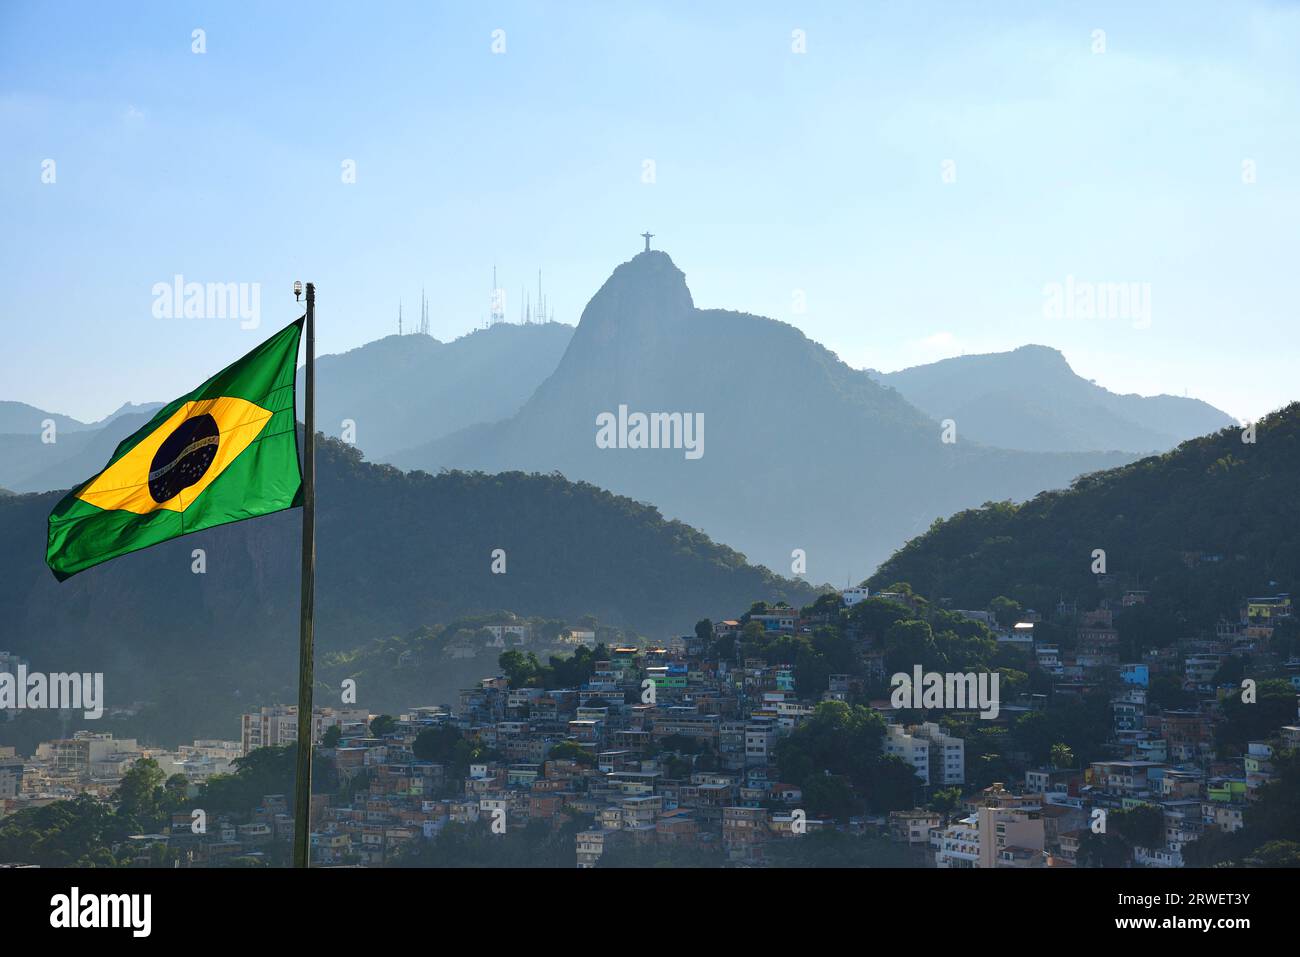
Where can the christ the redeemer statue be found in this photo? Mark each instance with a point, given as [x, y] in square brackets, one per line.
[647, 237]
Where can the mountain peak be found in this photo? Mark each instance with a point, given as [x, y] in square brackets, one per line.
[1031, 399]
[1044, 354]
[128, 408]
[653, 273]
[640, 298]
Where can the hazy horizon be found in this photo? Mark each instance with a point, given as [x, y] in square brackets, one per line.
[112, 408]
[782, 179]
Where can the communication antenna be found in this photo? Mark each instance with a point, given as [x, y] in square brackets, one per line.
[498, 307]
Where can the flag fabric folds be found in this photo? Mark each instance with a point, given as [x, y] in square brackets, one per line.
[222, 453]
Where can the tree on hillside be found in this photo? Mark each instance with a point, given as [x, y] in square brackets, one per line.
[945, 801]
[894, 785]
[872, 618]
[140, 795]
[1275, 854]
[1061, 756]
[829, 796]
[838, 739]
[1005, 611]
[910, 643]
[1275, 706]
[571, 751]
[75, 833]
[521, 669]
[827, 606]
[437, 744]
[260, 772]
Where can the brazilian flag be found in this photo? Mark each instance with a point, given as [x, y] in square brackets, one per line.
[225, 452]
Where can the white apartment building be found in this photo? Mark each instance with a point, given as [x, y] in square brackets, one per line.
[277, 725]
[202, 759]
[957, 846]
[851, 596]
[211, 748]
[939, 758]
[910, 748]
[84, 751]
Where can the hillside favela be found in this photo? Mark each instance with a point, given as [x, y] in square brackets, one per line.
[725, 745]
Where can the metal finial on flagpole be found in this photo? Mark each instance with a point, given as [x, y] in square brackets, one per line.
[306, 663]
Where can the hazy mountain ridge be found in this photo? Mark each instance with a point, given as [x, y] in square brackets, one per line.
[801, 451]
[396, 391]
[17, 418]
[29, 464]
[401, 391]
[1030, 399]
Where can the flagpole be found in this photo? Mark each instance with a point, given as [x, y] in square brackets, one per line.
[306, 664]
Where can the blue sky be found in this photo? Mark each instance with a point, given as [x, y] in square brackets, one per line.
[775, 172]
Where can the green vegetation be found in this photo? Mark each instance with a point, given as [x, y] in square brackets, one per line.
[1199, 527]
[571, 751]
[840, 741]
[85, 832]
[77, 833]
[449, 747]
[523, 670]
[1275, 706]
[1142, 826]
